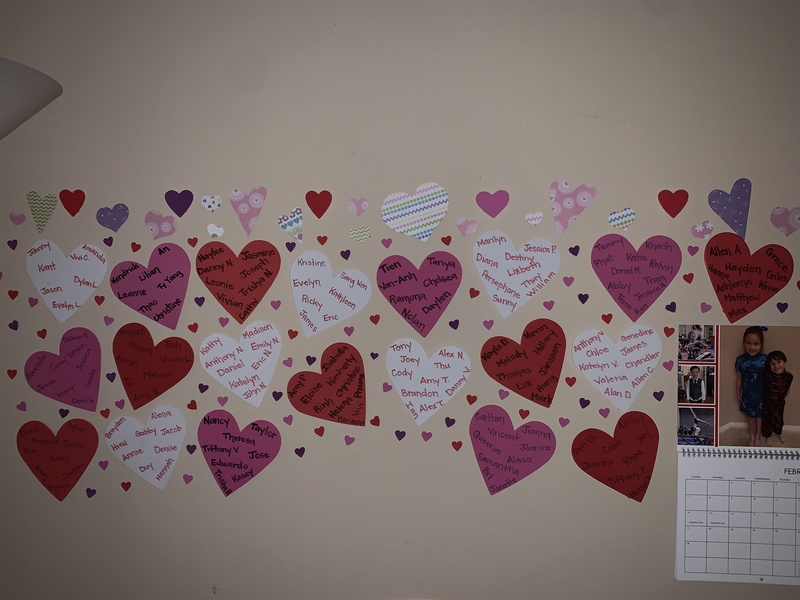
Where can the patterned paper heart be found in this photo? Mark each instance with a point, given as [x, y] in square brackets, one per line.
[42, 208]
[785, 220]
[622, 219]
[733, 208]
[72, 201]
[534, 218]
[416, 215]
[567, 203]
[213, 203]
[179, 202]
[248, 206]
[293, 223]
[357, 206]
[702, 230]
[360, 234]
[466, 226]
[215, 231]
[158, 225]
[112, 218]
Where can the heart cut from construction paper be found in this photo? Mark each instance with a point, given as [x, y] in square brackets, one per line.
[618, 370]
[319, 202]
[532, 367]
[179, 202]
[213, 203]
[322, 299]
[702, 230]
[235, 456]
[293, 223]
[492, 204]
[416, 215]
[150, 450]
[149, 370]
[65, 282]
[57, 461]
[248, 206]
[112, 218]
[425, 384]
[42, 208]
[743, 281]
[338, 393]
[72, 376]
[567, 203]
[72, 201]
[158, 225]
[244, 367]
[622, 219]
[506, 455]
[156, 291]
[785, 220]
[734, 207]
[420, 296]
[673, 202]
[238, 282]
[635, 278]
[513, 276]
[625, 461]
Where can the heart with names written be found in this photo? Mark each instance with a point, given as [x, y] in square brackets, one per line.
[72, 376]
[514, 276]
[323, 299]
[238, 282]
[506, 455]
[65, 282]
[156, 291]
[531, 368]
[235, 456]
[743, 281]
[635, 278]
[338, 393]
[426, 384]
[623, 462]
[57, 461]
[420, 296]
[148, 370]
[149, 450]
[246, 367]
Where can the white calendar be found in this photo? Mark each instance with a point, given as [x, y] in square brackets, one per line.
[738, 515]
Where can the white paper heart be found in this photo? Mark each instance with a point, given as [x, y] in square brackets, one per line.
[622, 219]
[215, 231]
[534, 218]
[416, 215]
[293, 223]
[211, 203]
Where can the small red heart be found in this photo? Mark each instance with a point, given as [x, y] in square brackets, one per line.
[192, 405]
[673, 202]
[322, 239]
[688, 277]
[105, 412]
[376, 420]
[192, 242]
[456, 446]
[473, 292]
[292, 334]
[524, 413]
[125, 485]
[12, 373]
[135, 247]
[319, 430]
[668, 331]
[99, 300]
[374, 319]
[13, 294]
[42, 333]
[472, 399]
[72, 201]
[192, 327]
[570, 381]
[446, 240]
[607, 318]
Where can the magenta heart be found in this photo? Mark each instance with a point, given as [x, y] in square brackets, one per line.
[604, 412]
[568, 281]
[349, 439]
[705, 307]
[120, 404]
[288, 419]
[236, 456]
[187, 479]
[503, 394]
[108, 320]
[276, 304]
[386, 387]
[103, 464]
[692, 250]
[179, 202]
[668, 364]
[492, 204]
[426, 435]
[32, 301]
[549, 304]
[72, 376]
[386, 242]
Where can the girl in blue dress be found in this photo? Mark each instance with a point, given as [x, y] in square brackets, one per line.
[750, 377]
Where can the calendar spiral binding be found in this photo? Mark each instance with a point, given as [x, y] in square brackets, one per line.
[731, 452]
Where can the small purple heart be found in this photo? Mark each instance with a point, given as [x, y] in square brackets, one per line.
[311, 359]
[32, 301]
[584, 402]
[111, 377]
[386, 242]
[563, 421]
[349, 439]
[108, 241]
[345, 254]
[199, 300]
[426, 435]
[63, 412]
[22, 406]
[12, 244]
[704, 307]
[399, 434]
[103, 464]
[290, 246]
[574, 250]
[449, 422]
[671, 307]
[276, 304]
[668, 364]
[90, 492]
[386, 387]
[223, 321]
[782, 306]
[692, 250]
[348, 330]
[179, 202]
[583, 298]
[112, 218]
[503, 394]
[202, 387]
[489, 323]
[659, 395]
[108, 320]
[120, 404]
[733, 208]
[190, 448]
[223, 400]
[454, 324]
[288, 362]
[604, 412]
[548, 304]
[288, 419]
[187, 479]
[14, 325]
[300, 451]
[373, 355]
[568, 281]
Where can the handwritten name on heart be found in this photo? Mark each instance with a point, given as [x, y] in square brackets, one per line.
[418, 214]
[156, 291]
[235, 456]
[421, 295]
[149, 450]
[148, 370]
[65, 282]
[338, 393]
[506, 455]
[246, 367]
[72, 376]
[744, 281]
[426, 384]
[635, 278]
[514, 276]
[57, 461]
[322, 299]
[530, 368]
[238, 282]
[618, 370]
[623, 462]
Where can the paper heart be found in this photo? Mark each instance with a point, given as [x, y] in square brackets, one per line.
[420, 296]
[72, 201]
[506, 455]
[514, 276]
[336, 394]
[532, 367]
[323, 299]
[17, 218]
[785, 220]
[492, 204]
[57, 461]
[466, 226]
[238, 282]
[534, 218]
[215, 231]
[567, 203]
[702, 230]
[357, 206]
[426, 384]
[156, 291]
[179, 202]
[112, 218]
[618, 370]
[150, 450]
[41, 208]
[158, 225]
[319, 202]
[65, 282]
[293, 223]
[360, 234]
[733, 208]
[416, 215]
[622, 219]
[72, 376]
[246, 367]
[673, 202]
[623, 462]
[213, 203]
[248, 207]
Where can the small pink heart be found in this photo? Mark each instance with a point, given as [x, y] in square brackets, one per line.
[103, 464]
[692, 250]
[223, 400]
[22, 406]
[288, 419]
[276, 304]
[704, 307]
[702, 230]
[349, 330]
[349, 439]
[563, 421]
[288, 362]
[426, 435]
[223, 321]
[568, 281]
[604, 412]
[548, 304]
[386, 387]
[17, 218]
[386, 242]
[32, 301]
[668, 364]
[108, 320]
[120, 404]
[503, 394]
[187, 479]
[488, 324]
[466, 226]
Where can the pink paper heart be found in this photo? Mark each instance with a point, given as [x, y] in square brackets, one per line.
[488, 324]
[492, 203]
[288, 419]
[349, 439]
[158, 225]
[276, 304]
[785, 220]
[705, 307]
[248, 206]
[604, 412]
[288, 362]
[426, 435]
[692, 250]
[702, 230]
[563, 421]
[549, 304]
[503, 394]
[187, 479]
[120, 404]
[386, 242]
[567, 203]
[466, 226]
[17, 218]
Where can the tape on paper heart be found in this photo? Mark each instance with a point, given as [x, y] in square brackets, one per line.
[338, 393]
[150, 450]
[42, 208]
[623, 462]
[238, 282]
[112, 218]
[513, 276]
[425, 384]
[72, 376]
[743, 281]
[65, 282]
[618, 370]
[506, 455]
[420, 296]
[235, 456]
[57, 461]
[532, 367]
[567, 203]
[416, 215]
[156, 291]
[323, 299]
[245, 367]
[149, 370]
[248, 206]
[734, 207]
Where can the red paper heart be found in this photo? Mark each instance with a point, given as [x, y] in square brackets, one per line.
[192, 327]
[688, 277]
[192, 241]
[607, 317]
[292, 333]
[473, 293]
[72, 201]
[135, 247]
[623, 462]
[319, 430]
[376, 421]
[105, 412]
[673, 202]
[319, 202]
[471, 399]
[570, 381]
[668, 331]
[524, 413]
[125, 485]
[322, 239]
[456, 446]
[374, 319]
[446, 240]
[99, 300]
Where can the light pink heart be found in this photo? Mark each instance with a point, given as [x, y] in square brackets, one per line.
[549, 304]
[223, 400]
[288, 419]
[705, 307]
[426, 435]
[604, 412]
[785, 220]
[349, 439]
[17, 218]
[187, 479]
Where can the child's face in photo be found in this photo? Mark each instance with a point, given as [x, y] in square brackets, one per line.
[695, 373]
[777, 366]
[752, 344]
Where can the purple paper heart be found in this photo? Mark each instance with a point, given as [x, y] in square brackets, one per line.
[112, 218]
[574, 250]
[14, 325]
[399, 434]
[90, 492]
[733, 208]
[63, 412]
[202, 387]
[373, 355]
[190, 448]
[199, 300]
[454, 324]
[311, 359]
[277, 395]
[583, 298]
[671, 307]
[108, 241]
[12, 244]
[179, 202]
[111, 376]
[300, 451]
[449, 422]
[290, 246]
[782, 306]
[584, 402]
[659, 395]
[345, 254]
